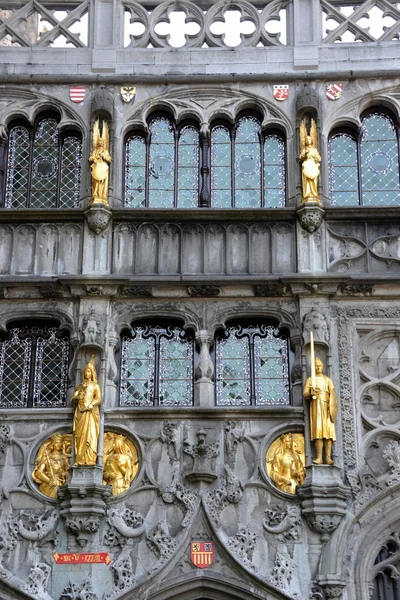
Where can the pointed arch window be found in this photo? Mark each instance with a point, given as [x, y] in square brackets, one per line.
[364, 168]
[43, 167]
[34, 361]
[162, 168]
[157, 367]
[252, 366]
[247, 166]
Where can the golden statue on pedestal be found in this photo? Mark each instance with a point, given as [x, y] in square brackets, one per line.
[286, 460]
[310, 160]
[100, 160]
[51, 464]
[86, 427]
[121, 462]
[323, 409]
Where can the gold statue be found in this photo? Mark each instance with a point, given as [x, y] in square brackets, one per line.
[51, 464]
[286, 460]
[120, 461]
[310, 160]
[87, 416]
[99, 161]
[323, 409]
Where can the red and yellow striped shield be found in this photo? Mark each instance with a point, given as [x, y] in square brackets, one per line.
[202, 554]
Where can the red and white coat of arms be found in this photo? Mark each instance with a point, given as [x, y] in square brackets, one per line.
[281, 92]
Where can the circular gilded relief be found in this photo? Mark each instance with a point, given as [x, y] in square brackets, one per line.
[286, 460]
[52, 463]
[120, 462]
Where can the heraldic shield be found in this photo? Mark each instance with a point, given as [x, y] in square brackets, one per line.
[202, 554]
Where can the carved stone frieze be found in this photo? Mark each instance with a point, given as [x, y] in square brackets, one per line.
[92, 329]
[170, 435]
[176, 492]
[160, 541]
[137, 291]
[98, 217]
[392, 455]
[242, 546]
[52, 290]
[230, 491]
[316, 322]
[5, 437]
[357, 289]
[284, 521]
[122, 575]
[310, 215]
[34, 527]
[272, 289]
[204, 291]
[283, 573]
[73, 591]
[123, 525]
[234, 435]
[38, 581]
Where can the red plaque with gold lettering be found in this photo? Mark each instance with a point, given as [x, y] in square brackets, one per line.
[79, 558]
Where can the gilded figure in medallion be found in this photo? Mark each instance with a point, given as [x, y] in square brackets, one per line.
[320, 390]
[310, 160]
[100, 160]
[87, 398]
[120, 462]
[286, 460]
[51, 464]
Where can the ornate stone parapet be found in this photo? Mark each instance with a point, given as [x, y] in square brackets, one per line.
[83, 502]
[324, 498]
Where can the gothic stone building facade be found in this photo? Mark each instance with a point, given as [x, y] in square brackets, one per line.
[195, 289]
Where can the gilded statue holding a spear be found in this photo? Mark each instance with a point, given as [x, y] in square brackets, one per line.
[320, 390]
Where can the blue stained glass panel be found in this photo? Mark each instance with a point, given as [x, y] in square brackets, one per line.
[135, 172]
[343, 170]
[176, 371]
[162, 164]
[16, 195]
[247, 164]
[221, 169]
[45, 165]
[188, 168]
[274, 172]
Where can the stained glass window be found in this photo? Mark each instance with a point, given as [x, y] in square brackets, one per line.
[370, 160]
[252, 367]
[247, 168]
[34, 367]
[162, 169]
[157, 367]
[44, 168]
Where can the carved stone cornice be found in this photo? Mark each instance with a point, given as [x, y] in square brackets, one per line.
[98, 217]
[310, 215]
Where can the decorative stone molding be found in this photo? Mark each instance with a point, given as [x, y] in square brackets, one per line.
[34, 528]
[97, 217]
[392, 455]
[5, 438]
[282, 574]
[72, 591]
[272, 289]
[52, 290]
[204, 456]
[307, 97]
[234, 434]
[38, 581]
[176, 493]
[83, 502]
[122, 574]
[310, 215]
[284, 521]
[357, 289]
[332, 588]
[316, 322]
[324, 498]
[137, 291]
[160, 542]
[242, 546]
[204, 291]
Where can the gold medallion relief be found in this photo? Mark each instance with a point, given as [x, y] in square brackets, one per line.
[120, 463]
[286, 460]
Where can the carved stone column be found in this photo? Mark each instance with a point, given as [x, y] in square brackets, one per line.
[324, 498]
[83, 504]
[204, 371]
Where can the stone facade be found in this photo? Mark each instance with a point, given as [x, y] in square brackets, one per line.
[95, 270]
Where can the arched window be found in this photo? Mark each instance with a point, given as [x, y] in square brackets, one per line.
[157, 367]
[247, 167]
[162, 168]
[364, 169]
[386, 582]
[34, 362]
[43, 167]
[252, 366]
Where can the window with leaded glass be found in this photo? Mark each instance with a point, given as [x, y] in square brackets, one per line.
[252, 367]
[364, 168]
[162, 168]
[34, 367]
[43, 167]
[247, 166]
[157, 367]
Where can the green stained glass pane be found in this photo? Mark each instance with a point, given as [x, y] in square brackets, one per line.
[176, 370]
[232, 370]
[137, 370]
[247, 163]
[274, 172]
[135, 172]
[221, 169]
[17, 168]
[379, 162]
[343, 170]
[162, 164]
[271, 370]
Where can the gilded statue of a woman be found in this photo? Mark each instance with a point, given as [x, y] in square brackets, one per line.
[86, 427]
[285, 462]
[99, 161]
[310, 160]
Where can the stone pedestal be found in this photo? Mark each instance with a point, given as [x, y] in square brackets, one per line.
[83, 502]
[324, 498]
